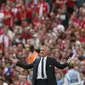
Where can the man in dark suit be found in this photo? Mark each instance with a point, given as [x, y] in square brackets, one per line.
[43, 68]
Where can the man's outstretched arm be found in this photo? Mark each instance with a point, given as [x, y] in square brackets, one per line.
[20, 64]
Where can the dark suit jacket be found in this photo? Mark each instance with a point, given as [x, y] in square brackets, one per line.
[50, 64]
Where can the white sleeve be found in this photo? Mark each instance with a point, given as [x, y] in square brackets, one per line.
[5, 83]
[6, 41]
[79, 79]
[66, 81]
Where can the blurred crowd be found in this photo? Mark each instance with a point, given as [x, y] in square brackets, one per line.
[26, 25]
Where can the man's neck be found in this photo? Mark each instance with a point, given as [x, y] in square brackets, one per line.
[44, 57]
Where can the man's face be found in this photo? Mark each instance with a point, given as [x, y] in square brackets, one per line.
[43, 51]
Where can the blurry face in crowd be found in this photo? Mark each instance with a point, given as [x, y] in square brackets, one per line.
[25, 54]
[83, 45]
[64, 10]
[58, 46]
[19, 1]
[59, 11]
[31, 73]
[77, 35]
[84, 78]
[80, 10]
[58, 75]
[24, 23]
[44, 50]
[52, 53]
[79, 54]
[8, 8]
[3, 65]
[64, 54]
[82, 66]
[83, 5]
[52, 15]
[76, 68]
[57, 54]
[20, 54]
[77, 47]
[59, 41]
[69, 52]
[76, 9]
[25, 72]
[6, 54]
[54, 24]
[8, 2]
[11, 49]
[27, 47]
[83, 12]
[28, 41]
[20, 46]
[74, 14]
[15, 50]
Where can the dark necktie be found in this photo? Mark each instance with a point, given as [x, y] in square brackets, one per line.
[42, 68]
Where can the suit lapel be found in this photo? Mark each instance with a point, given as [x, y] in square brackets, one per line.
[38, 62]
[47, 63]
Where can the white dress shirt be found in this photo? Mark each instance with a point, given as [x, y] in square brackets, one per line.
[39, 73]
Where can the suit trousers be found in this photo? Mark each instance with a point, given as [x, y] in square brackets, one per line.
[41, 82]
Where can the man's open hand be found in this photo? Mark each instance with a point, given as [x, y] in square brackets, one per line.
[14, 60]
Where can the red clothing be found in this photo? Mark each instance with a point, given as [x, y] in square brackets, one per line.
[10, 20]
[31, 6]
[20, 16]
[59, 4]
[82, 24]
[45, 8]
[29, 13]
[1, 31]
[2, 46]
[12, 0]
[36, 21]
[70, 3]
[24, 83]
[82, 39]
[76, 20]
[21, 12]
[26, 35]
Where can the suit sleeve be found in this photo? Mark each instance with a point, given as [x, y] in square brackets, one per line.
[25, 66]
[58, 65]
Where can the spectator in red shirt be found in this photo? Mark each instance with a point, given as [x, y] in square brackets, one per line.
[8, 16]
[70, 5]
[42, 8]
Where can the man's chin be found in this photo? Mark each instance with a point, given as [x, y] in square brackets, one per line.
[41, 55]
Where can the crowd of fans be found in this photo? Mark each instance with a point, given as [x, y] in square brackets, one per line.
[25, 27]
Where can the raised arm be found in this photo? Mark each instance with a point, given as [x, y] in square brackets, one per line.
[58, 65]
[25, 66]
[20, 64]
